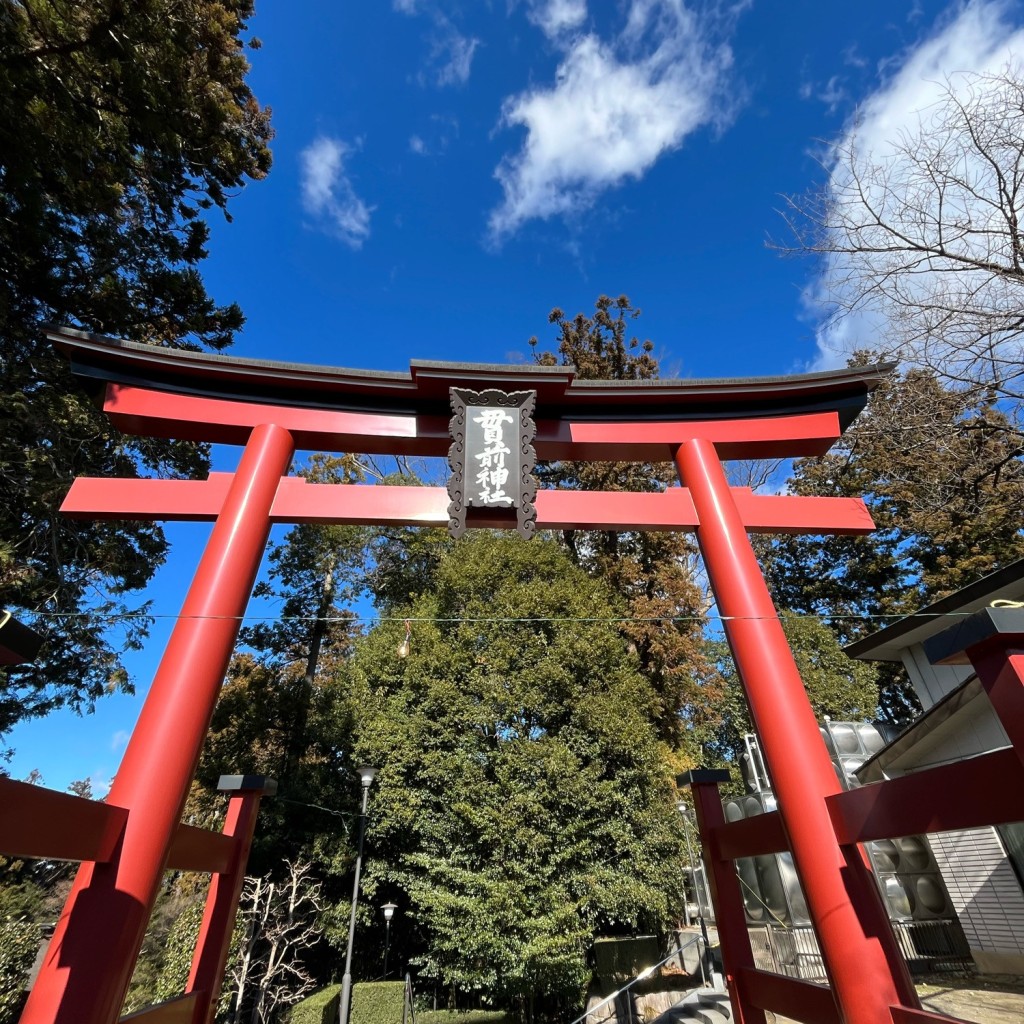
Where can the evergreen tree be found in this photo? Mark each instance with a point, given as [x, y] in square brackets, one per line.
[654, 572]
[943, 478]
[837, 686]
[523, 802]
[121, 125]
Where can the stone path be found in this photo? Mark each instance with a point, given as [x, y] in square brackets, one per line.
[996, 1003]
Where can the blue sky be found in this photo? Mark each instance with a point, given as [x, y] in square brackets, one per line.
[447, 172]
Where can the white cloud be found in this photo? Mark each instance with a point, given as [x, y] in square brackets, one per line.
[556, 17]
[614, 109]
[417, 145]
[455, 57]
[120, 740]
[328, 195]
[979, 39]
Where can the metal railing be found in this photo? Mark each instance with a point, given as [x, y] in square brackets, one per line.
[408, 1006]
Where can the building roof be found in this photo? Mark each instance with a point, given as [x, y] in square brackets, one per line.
[887, 644]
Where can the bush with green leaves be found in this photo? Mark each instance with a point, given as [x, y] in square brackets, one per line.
[19, 944]
[377, 1002]
[319, 1008]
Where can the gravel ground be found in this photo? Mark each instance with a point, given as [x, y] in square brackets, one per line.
[984, 1000]
[991, 999]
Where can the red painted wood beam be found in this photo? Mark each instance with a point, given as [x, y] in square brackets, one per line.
[214, 940]
[145, 412]
[42, 823]
[790, 997]
[985, 790]
[750, 837]
[905, 1015]
[197, 849]
[300, 502]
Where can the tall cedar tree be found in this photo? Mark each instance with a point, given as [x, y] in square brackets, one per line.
[523, 803]
[944, 480]
[652, 571]
[120, 125]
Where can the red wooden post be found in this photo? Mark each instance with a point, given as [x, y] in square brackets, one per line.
[991, 641]
[731, 922]
[864, 965]
[103, 923]
[214, 941]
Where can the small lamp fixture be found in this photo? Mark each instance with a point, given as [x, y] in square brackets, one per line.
[405, 646]
[389, 910]
[366, 776]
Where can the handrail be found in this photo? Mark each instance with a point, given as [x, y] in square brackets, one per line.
[408, 1005]
[642, 976]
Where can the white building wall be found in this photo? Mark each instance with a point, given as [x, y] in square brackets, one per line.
[983, 889]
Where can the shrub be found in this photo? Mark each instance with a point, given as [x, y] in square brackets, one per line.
[377, 1002]
[464, 1017]
[319, 1008]
[19, 944]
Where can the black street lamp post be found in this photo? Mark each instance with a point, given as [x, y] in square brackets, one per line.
[366, 778]
[389, 912]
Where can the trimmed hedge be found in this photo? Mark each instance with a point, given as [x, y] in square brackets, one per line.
[377, 1002]
[464, 1017]
[319, 1008]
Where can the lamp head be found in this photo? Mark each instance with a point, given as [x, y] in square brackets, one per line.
[389, 910]
[366, 776]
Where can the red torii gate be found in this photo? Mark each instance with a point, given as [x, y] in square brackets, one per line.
[275, 408]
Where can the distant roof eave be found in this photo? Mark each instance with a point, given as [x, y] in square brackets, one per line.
[886, 644]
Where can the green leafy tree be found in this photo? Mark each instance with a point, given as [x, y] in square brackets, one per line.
[523, 802]
[652, 571]
[943, 478]
[836, 685]
[19, 944]
[121, 125]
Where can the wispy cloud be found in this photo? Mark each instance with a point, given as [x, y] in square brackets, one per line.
[833, 93]
[450, 57]
[328, 195]
[436, 137]
[101, 783]
[556, 17]
[120, 740]
[453, 54]
[615, 107]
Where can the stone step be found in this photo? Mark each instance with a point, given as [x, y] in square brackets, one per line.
[704, 1006]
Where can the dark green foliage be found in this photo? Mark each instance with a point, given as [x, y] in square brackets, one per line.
[120, 123]
[836, 686]
[652, 572]
[463, 1017]
[319, 1008]
[523, 803]
[377, 1002]
[944, 480]
[19, 943]
[622, 959]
